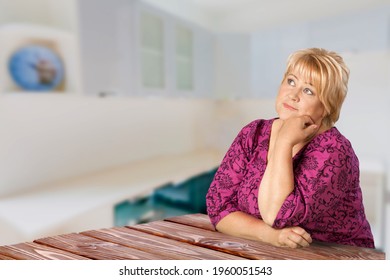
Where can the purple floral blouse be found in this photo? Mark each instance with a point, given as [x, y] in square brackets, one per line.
[326, 200]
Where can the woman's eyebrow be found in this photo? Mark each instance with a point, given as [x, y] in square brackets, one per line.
[290, 74]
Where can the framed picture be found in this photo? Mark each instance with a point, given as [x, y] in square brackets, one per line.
[37, 67]
[37, 58]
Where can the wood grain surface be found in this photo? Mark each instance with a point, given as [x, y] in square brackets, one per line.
[345, 252]
[327, 250]
[152, 243]
[195, 220]
[3, 257]
[35, 251]
[252, 249]
[97, 249]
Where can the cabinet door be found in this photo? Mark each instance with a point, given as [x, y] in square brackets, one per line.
[152, 59]
[174, 56]
[184, 58]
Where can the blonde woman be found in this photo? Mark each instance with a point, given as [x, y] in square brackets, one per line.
[293, 179]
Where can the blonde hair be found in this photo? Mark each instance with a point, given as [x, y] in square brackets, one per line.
[327, 72]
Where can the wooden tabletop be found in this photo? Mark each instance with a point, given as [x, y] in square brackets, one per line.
[188, 237]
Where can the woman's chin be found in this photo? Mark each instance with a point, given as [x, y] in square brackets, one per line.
[287, 115]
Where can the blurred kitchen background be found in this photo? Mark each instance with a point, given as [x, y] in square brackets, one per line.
[116, 112]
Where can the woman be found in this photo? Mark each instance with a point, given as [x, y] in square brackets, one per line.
[295, 178]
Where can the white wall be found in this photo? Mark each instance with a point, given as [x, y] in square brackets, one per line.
[22, 11]
[270, 50]
[367, 30]
[232, 65]
[58, 13]
[232, 115]
[365, 113]
[185, 10]
[46, 138]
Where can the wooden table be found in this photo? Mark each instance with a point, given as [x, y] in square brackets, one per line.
[185, 237]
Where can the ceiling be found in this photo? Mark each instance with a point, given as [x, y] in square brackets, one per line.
[251, 15]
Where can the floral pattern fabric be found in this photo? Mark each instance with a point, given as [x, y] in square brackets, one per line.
[326, 200]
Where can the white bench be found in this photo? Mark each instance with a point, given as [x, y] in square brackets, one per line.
[88, 202]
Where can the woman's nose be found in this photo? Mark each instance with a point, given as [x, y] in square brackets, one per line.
[294, 95]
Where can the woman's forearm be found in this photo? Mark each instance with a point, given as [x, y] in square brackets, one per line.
[247, 226]
[277, 182]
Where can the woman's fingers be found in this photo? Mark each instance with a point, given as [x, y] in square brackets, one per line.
[298, 241]
[297, 130]
[295, 237]
[303, 233]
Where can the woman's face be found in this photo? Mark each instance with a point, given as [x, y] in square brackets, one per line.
[298, 97]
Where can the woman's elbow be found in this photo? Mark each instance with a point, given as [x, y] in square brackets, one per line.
[268, 218]
[269, 221]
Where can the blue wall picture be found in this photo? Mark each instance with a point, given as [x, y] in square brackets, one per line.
[36, 68]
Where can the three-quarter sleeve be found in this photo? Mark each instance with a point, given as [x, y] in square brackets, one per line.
[327, 193]
[314, 188]
[221, 198]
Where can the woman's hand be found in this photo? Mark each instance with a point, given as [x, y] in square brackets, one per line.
[293, 237]
[296, 130]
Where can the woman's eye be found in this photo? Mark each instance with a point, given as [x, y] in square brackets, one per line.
[307, 91]
[291, 82]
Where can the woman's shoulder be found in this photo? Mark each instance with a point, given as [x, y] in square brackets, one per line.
[259, 125]
[334, 136]
[255, 132]
[333, 140]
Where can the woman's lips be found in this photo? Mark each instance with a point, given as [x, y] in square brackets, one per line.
[285, 105]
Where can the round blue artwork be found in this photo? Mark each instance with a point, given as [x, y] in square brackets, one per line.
[36, 68]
